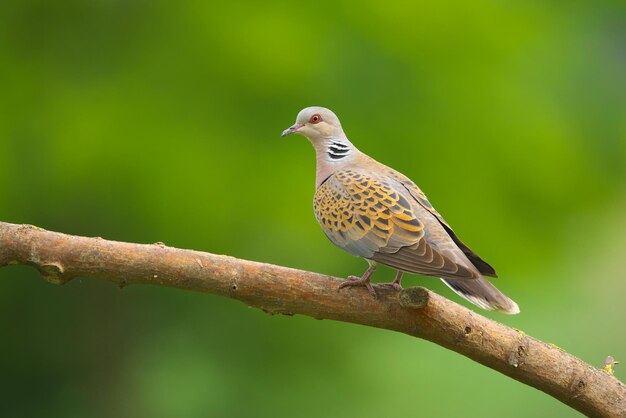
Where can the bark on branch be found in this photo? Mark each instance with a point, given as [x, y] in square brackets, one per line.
[279, 290]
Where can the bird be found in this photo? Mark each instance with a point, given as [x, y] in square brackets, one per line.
[375, 212]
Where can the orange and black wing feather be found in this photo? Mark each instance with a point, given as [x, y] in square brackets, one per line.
[377, 218]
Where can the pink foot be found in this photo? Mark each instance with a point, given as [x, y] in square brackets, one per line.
[361, 281]
[358, 281]
[396, 283]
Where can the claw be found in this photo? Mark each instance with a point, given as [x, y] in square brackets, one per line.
[396, 282]
[361, 281]
[393, 285]
[358, 281]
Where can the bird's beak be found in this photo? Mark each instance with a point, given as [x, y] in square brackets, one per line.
[291, 130]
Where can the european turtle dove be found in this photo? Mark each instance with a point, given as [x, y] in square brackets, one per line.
[377, 213]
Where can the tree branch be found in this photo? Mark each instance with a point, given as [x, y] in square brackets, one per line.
[414, 311]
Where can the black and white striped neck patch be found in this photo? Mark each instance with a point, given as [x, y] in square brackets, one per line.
[338, 150]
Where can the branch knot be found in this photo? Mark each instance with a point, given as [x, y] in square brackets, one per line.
[54, 273]
[414, 297]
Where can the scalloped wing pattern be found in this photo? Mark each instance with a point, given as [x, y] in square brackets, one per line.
[379, 219]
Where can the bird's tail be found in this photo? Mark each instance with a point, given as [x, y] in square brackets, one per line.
[483, 294]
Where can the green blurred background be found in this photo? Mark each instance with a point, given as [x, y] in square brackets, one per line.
[150, 121]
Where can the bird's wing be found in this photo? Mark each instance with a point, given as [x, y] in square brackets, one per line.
[363, 215]
[377, 218]
[482, 266]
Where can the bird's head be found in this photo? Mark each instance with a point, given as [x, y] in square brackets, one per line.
[316, 123]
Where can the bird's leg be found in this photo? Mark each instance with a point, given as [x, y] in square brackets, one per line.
[396, 282]
[361, 281]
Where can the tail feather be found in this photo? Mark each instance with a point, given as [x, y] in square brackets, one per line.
[483, 294]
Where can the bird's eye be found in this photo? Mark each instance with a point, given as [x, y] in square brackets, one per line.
[315, 118]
